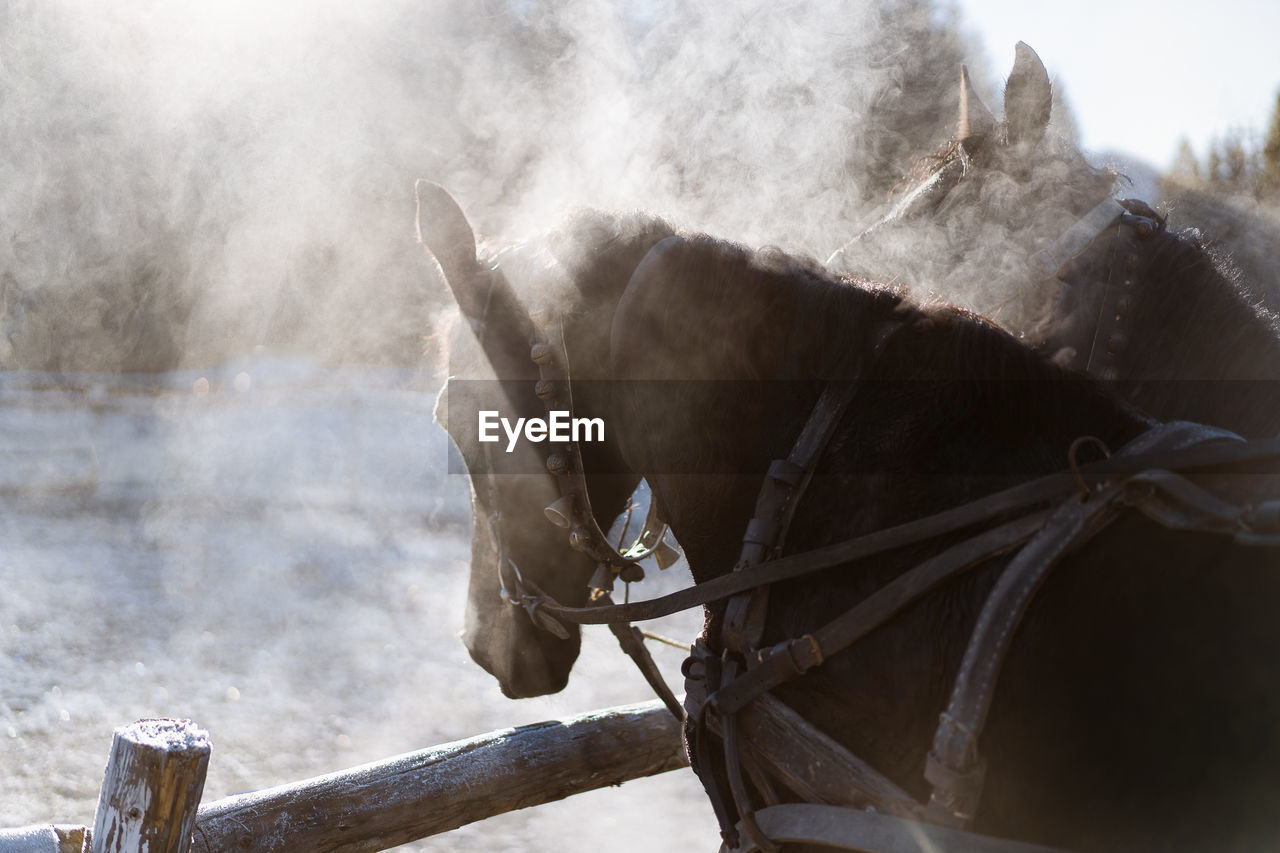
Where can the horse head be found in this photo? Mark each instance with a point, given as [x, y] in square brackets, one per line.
[1013, 222]
[576, 274]
[972, 217]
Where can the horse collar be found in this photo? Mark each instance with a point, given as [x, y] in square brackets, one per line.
[1136, 222]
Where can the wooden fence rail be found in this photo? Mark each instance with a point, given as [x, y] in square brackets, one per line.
[44, 839]
[392, 802]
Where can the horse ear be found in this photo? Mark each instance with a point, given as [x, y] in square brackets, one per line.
[975, 119]
[486, 299]
[443, 228]
[1028, 97]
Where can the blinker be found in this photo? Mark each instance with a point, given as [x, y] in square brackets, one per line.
[665, 554]
[560, 513]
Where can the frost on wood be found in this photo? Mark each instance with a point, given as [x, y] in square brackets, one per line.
[152, 788]
[388, 803]
[43, 839]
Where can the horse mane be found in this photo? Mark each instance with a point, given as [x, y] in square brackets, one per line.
[1202, 298]
[764, 314]
[808, 316]
[1193, 319]
[717, 310]
[1049, 157]
[598, 250]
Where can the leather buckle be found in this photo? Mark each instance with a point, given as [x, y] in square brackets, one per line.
[955, 792]
[799, 655]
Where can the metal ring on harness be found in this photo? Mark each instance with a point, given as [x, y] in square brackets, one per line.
[1081, 485]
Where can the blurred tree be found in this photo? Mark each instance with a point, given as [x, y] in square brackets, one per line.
[1231, 198]
[1213, 166]
[1237, 164]
[181, 184]
[1271, 156]
[1185, 170]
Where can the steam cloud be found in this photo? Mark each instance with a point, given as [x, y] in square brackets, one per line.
[187, 180]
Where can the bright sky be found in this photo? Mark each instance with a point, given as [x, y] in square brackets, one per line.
[1141, 75]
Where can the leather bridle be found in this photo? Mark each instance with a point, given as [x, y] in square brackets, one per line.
[572, 511]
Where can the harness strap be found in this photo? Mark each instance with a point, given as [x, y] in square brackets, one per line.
[1109, 331]
[784, 484]
[813, 765]
[1177, 503]
[847, 829]
[555, 390]
[632, 642]
[793, 658]
[1049, 260]
[954, 765]
[1135, 221]
[733, 748]
[1029, 494]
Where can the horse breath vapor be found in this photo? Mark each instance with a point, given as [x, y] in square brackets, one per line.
[559, 426]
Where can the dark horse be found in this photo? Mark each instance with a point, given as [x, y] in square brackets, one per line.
[1139, 705]
[1116, 294]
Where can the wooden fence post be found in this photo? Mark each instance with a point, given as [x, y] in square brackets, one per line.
[152, 788]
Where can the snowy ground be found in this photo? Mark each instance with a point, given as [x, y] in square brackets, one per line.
[275, 551]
